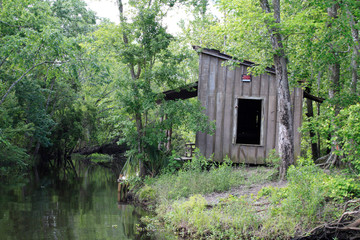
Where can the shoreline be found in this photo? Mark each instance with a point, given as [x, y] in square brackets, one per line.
[258, 208]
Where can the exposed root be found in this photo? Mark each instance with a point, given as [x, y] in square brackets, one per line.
[331, 160]
[346, 227]
[322, 160]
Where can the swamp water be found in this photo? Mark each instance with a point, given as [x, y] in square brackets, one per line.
[83, 209]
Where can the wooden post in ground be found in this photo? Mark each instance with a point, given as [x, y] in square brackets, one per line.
[123, 188]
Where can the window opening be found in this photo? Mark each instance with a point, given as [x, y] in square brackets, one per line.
[249, 121]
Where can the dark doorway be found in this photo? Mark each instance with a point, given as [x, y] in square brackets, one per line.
[249, 121]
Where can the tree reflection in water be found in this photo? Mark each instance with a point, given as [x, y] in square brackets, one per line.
[83, 208]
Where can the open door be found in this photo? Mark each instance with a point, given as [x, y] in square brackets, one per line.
[249, 121]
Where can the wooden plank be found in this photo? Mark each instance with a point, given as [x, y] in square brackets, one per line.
[202, 96]
[255, 92]
[256, 86]
[220, 103]
[246, 86]
[211, 107]
[250, 153]
[298, 102]
[271, 116]
[198, 136]
[264, 92]
[238, 87]
[228, 112]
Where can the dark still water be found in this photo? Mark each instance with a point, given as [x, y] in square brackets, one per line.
[83, 209]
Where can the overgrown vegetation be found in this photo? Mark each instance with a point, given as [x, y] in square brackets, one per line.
[69, 80]
[310, 197]
[202, 176]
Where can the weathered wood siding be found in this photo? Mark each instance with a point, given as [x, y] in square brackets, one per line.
[219, 88]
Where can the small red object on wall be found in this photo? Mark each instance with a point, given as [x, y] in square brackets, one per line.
[246, 78]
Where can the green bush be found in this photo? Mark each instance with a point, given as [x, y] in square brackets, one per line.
[310, 196]
[348, 135]
[146, 193]
[14, 161]
[233, 220]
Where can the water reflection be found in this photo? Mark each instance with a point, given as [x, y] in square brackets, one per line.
[83, 209]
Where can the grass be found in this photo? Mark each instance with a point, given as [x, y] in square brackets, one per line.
[193, 179]
[310, 197]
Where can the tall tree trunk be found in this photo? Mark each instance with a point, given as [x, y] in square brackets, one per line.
[334, 69]
[334, 76]
[354, 67]
[134, 76]
[318, 109]
[286, 138]
[139, 127]
[168, 136]
[356, 50]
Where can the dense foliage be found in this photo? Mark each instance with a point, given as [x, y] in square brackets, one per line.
[70, 80]
[40, 79]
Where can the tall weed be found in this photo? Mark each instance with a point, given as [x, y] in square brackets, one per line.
[233, 220]
[310, 197]
[187, 182]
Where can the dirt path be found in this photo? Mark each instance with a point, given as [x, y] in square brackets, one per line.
[239, 191]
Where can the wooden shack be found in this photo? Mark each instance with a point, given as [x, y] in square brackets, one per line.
[244, 108]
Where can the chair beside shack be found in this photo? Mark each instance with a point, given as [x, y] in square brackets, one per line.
[244, 108]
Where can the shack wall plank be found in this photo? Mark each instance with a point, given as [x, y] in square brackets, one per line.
[246, 86]
[238, 92]
[228, 112]
[256, 86]
[271, 116]
[255, 92]
[220, 101]
[264, 92]
[202, 90]
[211, 109]
[298, 102]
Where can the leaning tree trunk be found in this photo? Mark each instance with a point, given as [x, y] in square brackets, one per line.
[286, 138]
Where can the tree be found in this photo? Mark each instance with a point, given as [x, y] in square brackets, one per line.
[146, 60]
[261, 30]
[39, 45]
[286, 139]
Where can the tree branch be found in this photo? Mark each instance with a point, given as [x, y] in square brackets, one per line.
[22, 76]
